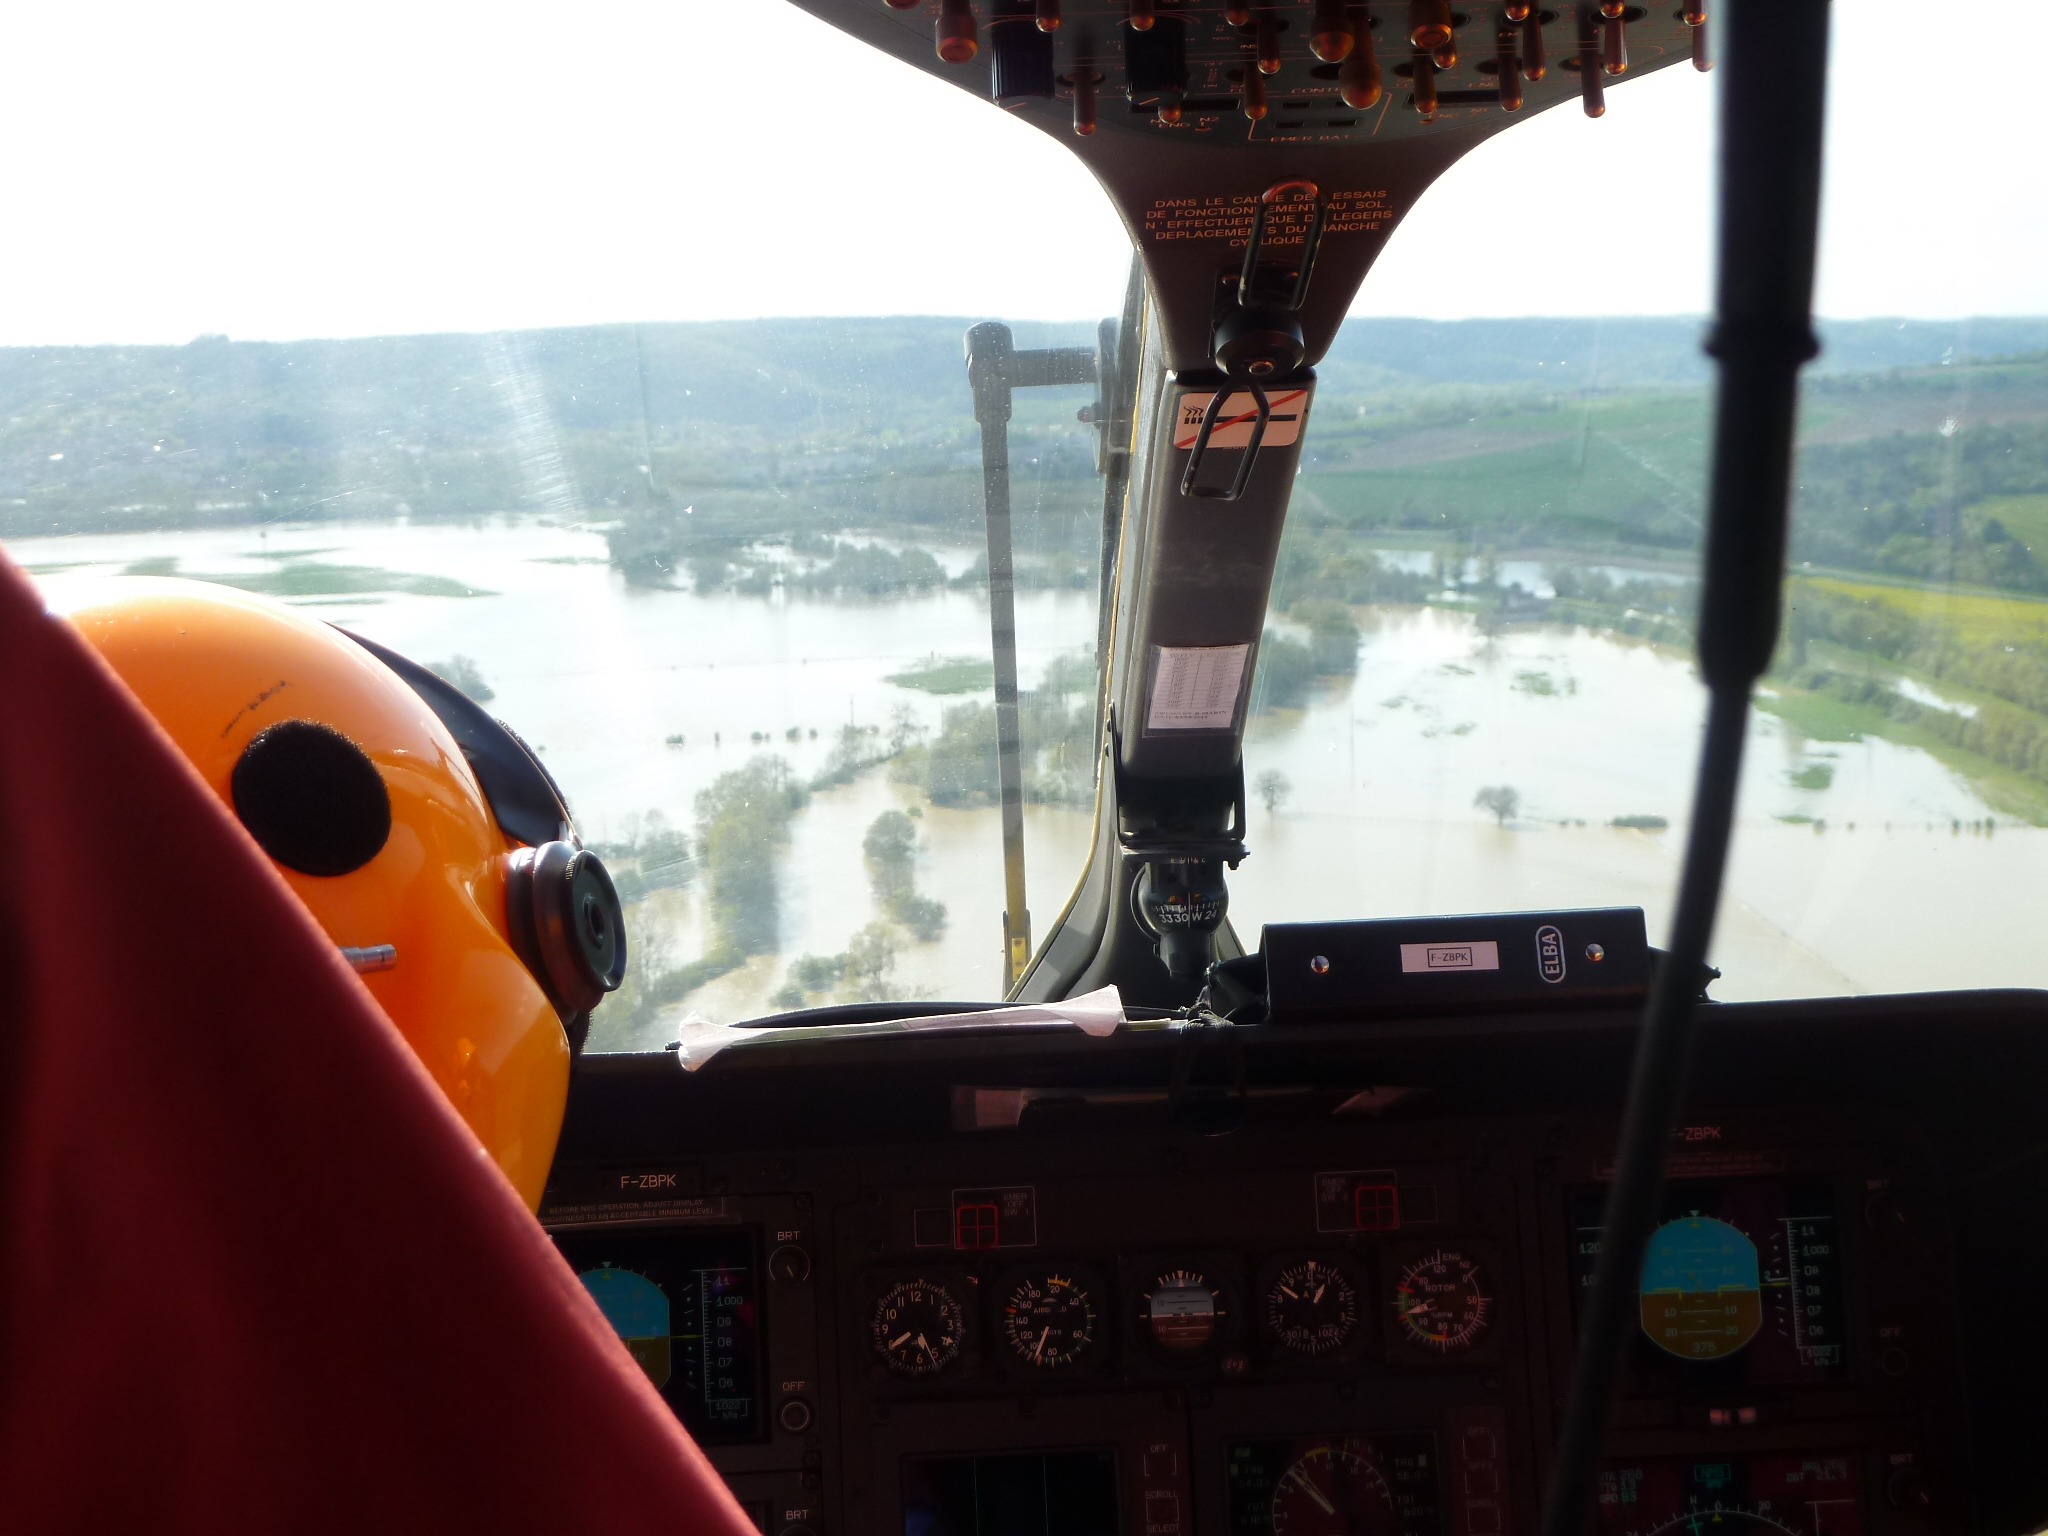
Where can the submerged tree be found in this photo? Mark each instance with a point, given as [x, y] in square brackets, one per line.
[464, 673]
[1273, 787]
[891, 849]
[742, 821]
[1501, 800]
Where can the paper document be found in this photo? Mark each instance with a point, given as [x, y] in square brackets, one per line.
[1195, 688]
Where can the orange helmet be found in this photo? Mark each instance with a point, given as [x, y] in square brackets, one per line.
[422, 835]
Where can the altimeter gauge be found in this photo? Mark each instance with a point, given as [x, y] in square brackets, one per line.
[1311, 1308]
[918, 1327]
[1444, 1302]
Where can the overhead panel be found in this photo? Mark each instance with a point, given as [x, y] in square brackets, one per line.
[1187, 112]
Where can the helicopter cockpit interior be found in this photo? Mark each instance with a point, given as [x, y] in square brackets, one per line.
[1288, 1172]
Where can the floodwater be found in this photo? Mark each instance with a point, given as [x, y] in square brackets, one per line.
[1875, 891]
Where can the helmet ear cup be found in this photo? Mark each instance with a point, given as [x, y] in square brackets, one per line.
[567, 924]
[311, 798]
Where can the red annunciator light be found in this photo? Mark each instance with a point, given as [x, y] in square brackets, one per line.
[1376, 1207]
[976, 1226]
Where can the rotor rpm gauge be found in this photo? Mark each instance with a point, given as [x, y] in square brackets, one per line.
[1052, 1320]
[1183, 1310]
[1335, 1488]
[1311, 1308]
[1444, 1302]
[918, 1327]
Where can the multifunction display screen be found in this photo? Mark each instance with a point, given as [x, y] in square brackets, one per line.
[1054, 1493]
[1732, 1496]
[1334, 1485]
[1741, 1284]
[688, 1306]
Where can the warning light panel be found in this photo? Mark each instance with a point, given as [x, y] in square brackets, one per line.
[981, 1219]
[1358, 1200]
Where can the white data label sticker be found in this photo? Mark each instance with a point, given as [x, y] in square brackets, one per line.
[1482, 956]
[1234, 421]
[1195, 688]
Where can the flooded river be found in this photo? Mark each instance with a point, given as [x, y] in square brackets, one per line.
[1870, 886]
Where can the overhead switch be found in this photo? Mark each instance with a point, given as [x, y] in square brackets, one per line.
[957, 38]
[1429, 23]
[1254, 93]
[1507, 66]
[1358, 79]
[1424, 76]
[1330, 36]
[1084, 83]
[1614, 46]
[1269, 42]
[1533, 65]
[1592, 89]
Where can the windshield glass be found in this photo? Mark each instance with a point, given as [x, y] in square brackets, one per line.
[1477, 691]
[471, 358]
[487, 347]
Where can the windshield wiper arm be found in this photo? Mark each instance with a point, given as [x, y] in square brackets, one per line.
[995, 368]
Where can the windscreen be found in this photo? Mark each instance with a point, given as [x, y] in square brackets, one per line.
[471, 332]
[540, 351]
[1477, 689]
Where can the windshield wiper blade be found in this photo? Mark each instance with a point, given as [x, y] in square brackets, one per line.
[995, 368]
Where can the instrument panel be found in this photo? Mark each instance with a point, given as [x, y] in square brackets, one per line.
[1322, 1323]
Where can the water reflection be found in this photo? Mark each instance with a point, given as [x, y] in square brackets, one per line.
[1858, 865]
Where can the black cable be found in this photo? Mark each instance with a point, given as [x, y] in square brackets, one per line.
[1774, 69]
[1655, 1094]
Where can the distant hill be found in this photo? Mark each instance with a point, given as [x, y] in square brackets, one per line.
[1632, 352]
[1587, 433]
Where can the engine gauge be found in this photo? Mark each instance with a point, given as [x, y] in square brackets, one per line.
[1052, 1319]
[1335, 1488]
[1444, 1302]
[918, 1327]
[1183, 1310]
[1311, 1308]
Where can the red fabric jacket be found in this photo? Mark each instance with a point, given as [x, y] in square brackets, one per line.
[255, 1274]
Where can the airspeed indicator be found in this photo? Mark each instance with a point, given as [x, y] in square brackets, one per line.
[1051, 1319]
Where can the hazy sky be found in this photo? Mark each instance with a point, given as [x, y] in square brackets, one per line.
[270, 170]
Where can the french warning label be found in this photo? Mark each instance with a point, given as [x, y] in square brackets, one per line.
[1364, 211]
[1234, 421]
